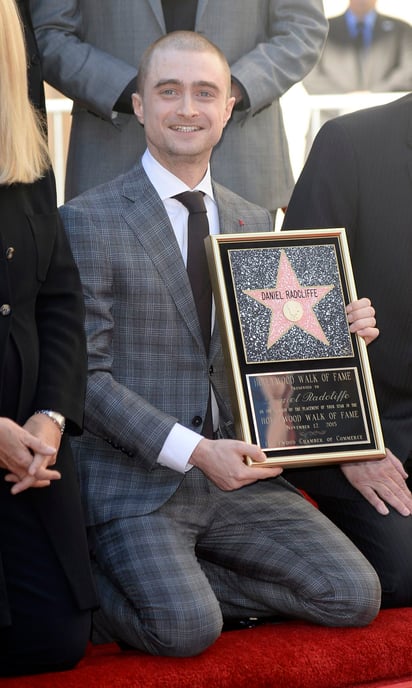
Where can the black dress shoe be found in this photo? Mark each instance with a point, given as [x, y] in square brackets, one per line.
[239, 624]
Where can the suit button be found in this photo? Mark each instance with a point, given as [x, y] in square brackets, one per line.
[197, 421]
[10, 253]
[5, 309]
[211, 370]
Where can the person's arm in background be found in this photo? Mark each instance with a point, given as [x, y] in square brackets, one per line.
[77, 69]
[295, 36]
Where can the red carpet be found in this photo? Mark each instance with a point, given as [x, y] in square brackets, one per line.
[391, 684]
[286, 655]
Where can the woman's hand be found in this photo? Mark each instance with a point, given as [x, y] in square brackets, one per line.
[27, 452]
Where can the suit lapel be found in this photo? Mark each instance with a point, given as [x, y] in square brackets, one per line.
[374, 57]
[230, 222]
[201, 6]
[156, 7]
[409, 138]
[383, 38]
[149, 222]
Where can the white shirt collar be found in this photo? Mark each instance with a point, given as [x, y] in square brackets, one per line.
[167, 184]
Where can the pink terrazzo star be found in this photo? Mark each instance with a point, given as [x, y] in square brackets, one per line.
[291, 304]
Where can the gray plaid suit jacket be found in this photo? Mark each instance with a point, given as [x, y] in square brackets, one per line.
[147, 366]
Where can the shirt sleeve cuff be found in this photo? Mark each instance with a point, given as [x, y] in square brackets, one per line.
[178, 448]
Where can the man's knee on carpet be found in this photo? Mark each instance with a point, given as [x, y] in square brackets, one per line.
[182, 631]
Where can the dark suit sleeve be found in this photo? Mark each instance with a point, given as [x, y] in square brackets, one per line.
[325, 193]
[60, 318]
[76, 68]
[267, 71]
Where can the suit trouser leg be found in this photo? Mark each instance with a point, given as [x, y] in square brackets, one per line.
[272, 552]
[266, 549]
[385, 541]
[46, 630]
[153, 593]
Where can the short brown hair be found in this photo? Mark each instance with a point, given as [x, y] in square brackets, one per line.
[179, 40]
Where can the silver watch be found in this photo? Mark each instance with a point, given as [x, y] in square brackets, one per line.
[56, 417]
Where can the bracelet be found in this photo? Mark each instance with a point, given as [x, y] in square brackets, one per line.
[57, 418]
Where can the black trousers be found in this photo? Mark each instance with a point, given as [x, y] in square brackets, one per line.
[42, 628]
[386, 541]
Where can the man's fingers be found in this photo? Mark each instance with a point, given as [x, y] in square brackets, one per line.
[398, 499]
[372, 497]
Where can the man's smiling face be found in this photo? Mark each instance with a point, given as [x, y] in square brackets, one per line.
[184, 106]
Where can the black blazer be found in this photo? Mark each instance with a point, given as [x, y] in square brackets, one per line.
[41, 333]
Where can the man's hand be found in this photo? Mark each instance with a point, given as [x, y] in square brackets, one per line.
[223, 462]
[27, 452]
[361, 318]
[381, 481]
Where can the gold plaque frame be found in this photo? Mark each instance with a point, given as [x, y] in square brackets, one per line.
[300, 382]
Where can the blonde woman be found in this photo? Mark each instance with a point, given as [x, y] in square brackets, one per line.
[46, 590]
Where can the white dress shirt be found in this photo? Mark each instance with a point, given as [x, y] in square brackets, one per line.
[181, 441]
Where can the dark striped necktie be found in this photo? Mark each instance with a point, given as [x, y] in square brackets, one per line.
[198, 273]
[197, 268]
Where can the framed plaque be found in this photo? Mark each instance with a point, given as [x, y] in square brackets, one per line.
[300, 382]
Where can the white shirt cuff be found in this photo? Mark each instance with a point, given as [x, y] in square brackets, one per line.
[178, 448]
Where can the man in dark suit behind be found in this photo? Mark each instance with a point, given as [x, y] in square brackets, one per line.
[364, 51]
[183, 533]
[359, 176]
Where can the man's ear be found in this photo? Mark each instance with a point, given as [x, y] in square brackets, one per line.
[229, 109]
[138, 107]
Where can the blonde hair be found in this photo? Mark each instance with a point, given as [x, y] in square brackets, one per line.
[24, 154]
